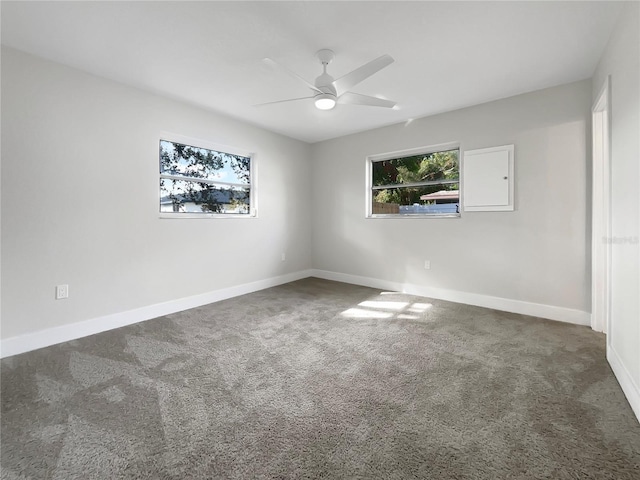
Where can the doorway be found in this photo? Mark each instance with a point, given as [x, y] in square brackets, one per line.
[601, 212]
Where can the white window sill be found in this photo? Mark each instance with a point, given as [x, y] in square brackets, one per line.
[203, 215]
[414, 215]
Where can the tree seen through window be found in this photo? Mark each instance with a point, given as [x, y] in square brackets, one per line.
[201, 180]
[413, 184]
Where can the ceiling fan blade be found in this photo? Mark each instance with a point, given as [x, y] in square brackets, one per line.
[348, 81]
[357, 99]
[282, 101]
[273, 63]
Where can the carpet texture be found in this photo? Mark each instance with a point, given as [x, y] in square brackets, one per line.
[318, 379]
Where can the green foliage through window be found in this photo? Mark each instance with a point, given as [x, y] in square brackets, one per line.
[201, 180]
[425, 184]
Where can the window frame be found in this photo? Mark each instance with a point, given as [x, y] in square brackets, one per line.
[427, 150]
[208, 145]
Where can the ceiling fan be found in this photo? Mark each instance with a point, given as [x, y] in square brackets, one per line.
[327, 91]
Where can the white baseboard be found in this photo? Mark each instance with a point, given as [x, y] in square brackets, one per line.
[51, 336]
[628, 385]
[550, 312]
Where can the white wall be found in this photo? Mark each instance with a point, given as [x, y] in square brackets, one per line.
[538, 254]
[621, 60]
[80, 201]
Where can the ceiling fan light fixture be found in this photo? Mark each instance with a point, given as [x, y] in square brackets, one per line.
[325, 101]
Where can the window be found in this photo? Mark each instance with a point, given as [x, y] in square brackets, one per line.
[422, 182]
[202, 181]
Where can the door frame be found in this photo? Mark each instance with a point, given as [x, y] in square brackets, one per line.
[601, 212]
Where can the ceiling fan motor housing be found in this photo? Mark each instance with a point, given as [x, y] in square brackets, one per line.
[326, 87]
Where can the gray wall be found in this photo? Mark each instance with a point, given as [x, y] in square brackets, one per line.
[80, 200]
[621, 60]
[539, 253]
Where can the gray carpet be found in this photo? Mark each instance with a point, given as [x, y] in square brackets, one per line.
[318, 379]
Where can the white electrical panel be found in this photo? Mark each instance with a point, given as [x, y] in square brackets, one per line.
[487, 179]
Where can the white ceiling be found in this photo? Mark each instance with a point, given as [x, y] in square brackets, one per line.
[447, 55]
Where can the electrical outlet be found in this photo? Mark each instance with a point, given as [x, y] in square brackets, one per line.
[283, 257]
[62, 291]
[427, 264]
